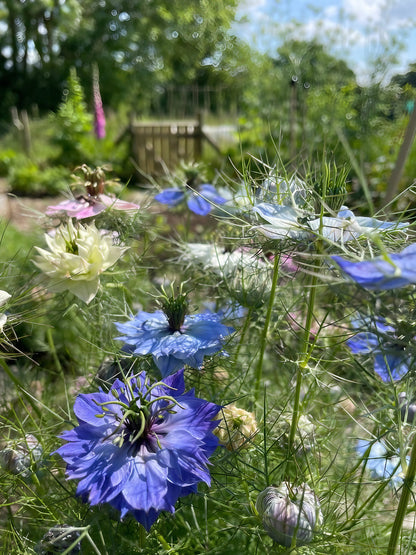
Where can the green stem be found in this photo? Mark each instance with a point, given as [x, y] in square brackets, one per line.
[404, 500]
[53, 350]
[19, 386]
[243, 335]
[304, 358]
[266, 328]
[266, 464]
[142, 536]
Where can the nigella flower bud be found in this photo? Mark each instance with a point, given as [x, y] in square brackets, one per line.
[58, 539]
[18, 457]
[304, 435]
[14, 462]
[407, 408]
[237, 427]
[290, 514]
[251, 288]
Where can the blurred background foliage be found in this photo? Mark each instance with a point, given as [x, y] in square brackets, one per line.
[173, 59]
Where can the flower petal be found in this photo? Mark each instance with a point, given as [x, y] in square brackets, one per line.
[171, 197]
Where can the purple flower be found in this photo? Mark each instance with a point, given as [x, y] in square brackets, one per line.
[140, 446]
[171, 345]
[198, 202]
[81, 208]
[383, 272]
[391, 359]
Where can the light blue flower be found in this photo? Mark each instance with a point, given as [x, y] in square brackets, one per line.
[294, 223]
[391, 357]
[382, 272]
[381, 465]
[346, 226]
[172, 347]
[283, 222]
[200, 202]
[140, 446]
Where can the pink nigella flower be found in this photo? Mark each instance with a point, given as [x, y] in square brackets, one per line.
[93, 201]
[88, 207]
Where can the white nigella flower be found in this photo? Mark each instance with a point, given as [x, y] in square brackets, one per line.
[237, 427]
[76, 258]
[4, 297]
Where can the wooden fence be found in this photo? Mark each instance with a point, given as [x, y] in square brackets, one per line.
[159, 146]
[187, 100]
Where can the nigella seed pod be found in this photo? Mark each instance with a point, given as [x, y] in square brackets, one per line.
[58, 539]
[289, 513]
[304, 435]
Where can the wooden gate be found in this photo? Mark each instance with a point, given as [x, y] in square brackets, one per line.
[158, 146]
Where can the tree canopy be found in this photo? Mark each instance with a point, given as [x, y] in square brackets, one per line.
[138, 46]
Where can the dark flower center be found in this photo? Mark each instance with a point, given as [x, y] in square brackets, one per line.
[331, 186]
[138, 418]
[94, 180]
[137, 427]
[175, 309]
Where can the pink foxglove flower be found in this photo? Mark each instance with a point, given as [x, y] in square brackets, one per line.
[99, 116]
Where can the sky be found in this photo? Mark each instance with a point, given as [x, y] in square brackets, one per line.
[356, 30]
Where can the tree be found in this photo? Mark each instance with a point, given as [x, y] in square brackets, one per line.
[138, 46]
[31, 69]
[281, 102]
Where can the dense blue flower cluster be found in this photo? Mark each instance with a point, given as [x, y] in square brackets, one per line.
[379, 463]
[150, 333]
[200, 202]
[140, 446]
[391, 358]
[382, 272]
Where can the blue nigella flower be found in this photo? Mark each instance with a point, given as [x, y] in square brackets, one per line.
[379, 463]
[391, 359]
[295, 223]
[200, 202]
[382, 272]
[174, 344]
[230, 311]
[140, 446]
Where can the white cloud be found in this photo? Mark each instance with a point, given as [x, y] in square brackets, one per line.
[365, 12]
[356, 30]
